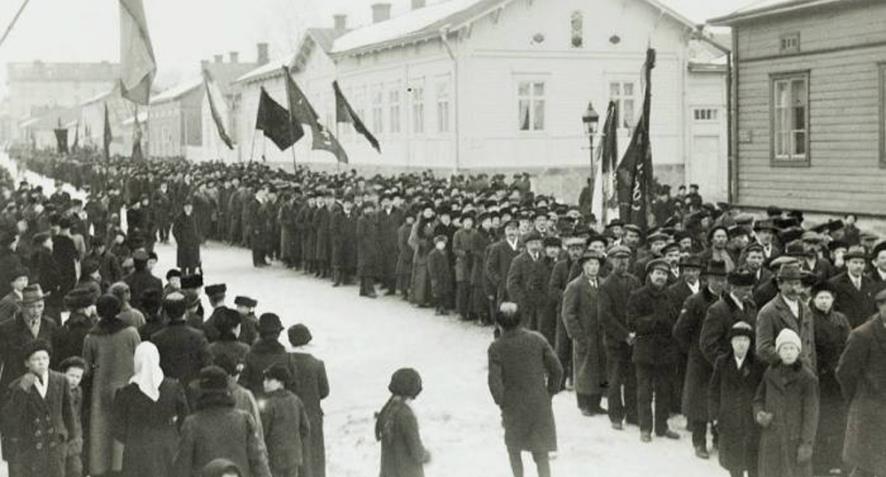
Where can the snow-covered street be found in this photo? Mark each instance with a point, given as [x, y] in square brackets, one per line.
[363, 341]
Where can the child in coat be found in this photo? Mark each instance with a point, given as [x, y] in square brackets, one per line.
[786, 407]
[73, 368]
[441, 274]
[285, 423]
[733, 385]
[402, 451]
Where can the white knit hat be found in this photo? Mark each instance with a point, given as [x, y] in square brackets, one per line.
[785, 336]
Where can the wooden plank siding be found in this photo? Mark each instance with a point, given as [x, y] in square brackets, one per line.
[842, 51]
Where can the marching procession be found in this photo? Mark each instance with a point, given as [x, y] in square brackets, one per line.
[767, 333]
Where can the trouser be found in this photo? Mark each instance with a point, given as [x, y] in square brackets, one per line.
[679, 378]
[542, 464]
[621, 376]
[699, 433]
[367, 286]
[463, 299]
[73, 466]
[530, 315]
[588, 401]
[563, 348]
[653, 383]
[258, 256]
[163, 232]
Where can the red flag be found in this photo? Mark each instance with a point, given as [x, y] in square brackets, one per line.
[344, 113]
[634, 174]
[216, 105]
[276, 123]
[137, 63]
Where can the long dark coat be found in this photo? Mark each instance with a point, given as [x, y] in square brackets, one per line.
[46, 271]
[421, 240]
[312, 386]
[698, 370]
[344, 240]
[498, 263]
[402, 451]
[441, 276]
[68, 340]
[776, 316]
[388, 225]
[36, 429]
[184, 351]
[790, 394]
[650, 314]
[368, 259]
[264, 354]
[462, 246]
[862, 376]
[149, 430]
[714, 337]
[187, 239]
[305, 223]
[561, 275]
[524, 373]
[831, 332]
[285, 425]
[404, 255]
[731, 404]
[581, 319]
[65, 254]
[321, 228]
[857, 305]
[15, 336]
[615, 291]
[527, 281]
[139, 282]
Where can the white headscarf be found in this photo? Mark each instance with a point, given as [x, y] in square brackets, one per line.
[148, 374]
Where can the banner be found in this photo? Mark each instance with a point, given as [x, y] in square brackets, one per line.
[137, 64]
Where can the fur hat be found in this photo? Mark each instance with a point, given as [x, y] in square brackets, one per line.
[107, 306]
[213, 378]
[79, 298]
[786, 336]
[269, 323]
[278, 372]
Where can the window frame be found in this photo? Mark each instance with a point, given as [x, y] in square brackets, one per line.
[783, 161]
[417, 85]
[620, 99]
[377, 106]
[532, 81]
[786, 36]
[443, 95]
[881, 107]
[395, 117]
[576, 29]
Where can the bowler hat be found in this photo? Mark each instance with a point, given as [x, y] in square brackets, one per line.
[299, 335]
[269, 323]
[741, 278]
[619, 251]
[245, 301]
[715, 268]
[690, 261]
[657, 237]
[405, 382]
[32, 294]
[789, 271]
[79, 298]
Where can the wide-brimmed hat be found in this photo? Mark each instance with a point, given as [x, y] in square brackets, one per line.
[741, 278]
[32, 294]
[715, 268]
[790, 271]
[855, 252]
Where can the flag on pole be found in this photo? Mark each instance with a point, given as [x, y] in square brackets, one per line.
[634, 174]
[303, 113]
[137, 63]
[605, 203]
[344, 113]
[217, 107]
[106, 137]
[274, 122]
[61, 139]
[325, 141]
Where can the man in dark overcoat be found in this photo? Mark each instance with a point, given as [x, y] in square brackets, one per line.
[615, 292]
[311, 386]
[733, 306]
[321, 220]
[698, 371]
[266, 352]
[527, 281]
[344, 242]
[368, 261]
[15, 335]
[184, 351]
[650, 314]
[389, 220]
[687, 284]
[862, 376]
[187, 239]
[499, 257]
[855, 290]
[564, 272]
[141, 280]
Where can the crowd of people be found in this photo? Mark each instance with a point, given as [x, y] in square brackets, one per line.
[767, 333]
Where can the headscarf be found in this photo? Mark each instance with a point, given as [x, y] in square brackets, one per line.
[148, 374]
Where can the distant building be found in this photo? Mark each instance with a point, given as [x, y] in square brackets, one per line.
[810, 90]
[35, 85]
[92, 120]
[40, 129]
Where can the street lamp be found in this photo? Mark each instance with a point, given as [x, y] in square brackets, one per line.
[591, 119]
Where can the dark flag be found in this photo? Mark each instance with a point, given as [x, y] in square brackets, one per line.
[304, 113]
[61, 138]
[344, 113]
[106, 137]
[76, 145]
[605, 202]
[137, 63]
[634, 174]
[325, 141]
[216, 102]
[275, 122]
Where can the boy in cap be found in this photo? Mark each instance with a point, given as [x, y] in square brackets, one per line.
[284, 422]
[786, 407]
[440, 274]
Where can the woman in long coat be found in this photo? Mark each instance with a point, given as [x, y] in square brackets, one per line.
[108, 350]
[402, 451]
[368, 260]
[831, 332]
[147, 415]
[421, 240]
[524, 374]
[311, 386]
[187, 239]
[862, 375]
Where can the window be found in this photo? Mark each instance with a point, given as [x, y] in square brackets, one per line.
[443, 106]
[418, 109]
[789, 43]
[377, 110]
[704, 114]
[577, 27]
[882, 115]
[394, 109]
[624, 94]
[790, 118]
[531, 105]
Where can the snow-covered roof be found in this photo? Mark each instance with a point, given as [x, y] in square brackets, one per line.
[322, 37]
[428, 22]
[177, 91]
[98, 97]
[270, 69]
[142, 118]
[760, 8]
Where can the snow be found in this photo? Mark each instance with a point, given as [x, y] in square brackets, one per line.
[273, 65]
[363, 341]
[177, 90]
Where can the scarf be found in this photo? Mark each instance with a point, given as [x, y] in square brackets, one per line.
[148, 374]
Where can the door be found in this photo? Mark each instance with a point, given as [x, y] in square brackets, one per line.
[709, 169]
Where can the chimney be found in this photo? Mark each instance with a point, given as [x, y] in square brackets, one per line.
[218, 58]
[234, 56]
[381, 12]
[340, 21]
[416, 4]
[262, 58]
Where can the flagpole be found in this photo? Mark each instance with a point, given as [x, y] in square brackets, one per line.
[14, 20]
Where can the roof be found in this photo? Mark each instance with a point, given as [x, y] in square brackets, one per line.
[142, 118]
[428, 22]
[323, 37]
[177, 91]
[268, 70]
[98, 97]
[762, 8]
[50, 118]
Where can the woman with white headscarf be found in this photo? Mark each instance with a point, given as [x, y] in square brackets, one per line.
[147, 417]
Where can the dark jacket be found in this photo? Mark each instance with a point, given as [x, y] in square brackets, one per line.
[344, 240]
[649, 312]
[402, 452]
[15, 336]
[368, 258]
[731, 404]
[857, 305]
[527, 281]
[184, 351]
[498, 262]
[264, 354]
[187, 239]
[831, 332]
[776, 316]
[312, 386]
[441, 275]
[686, 332]
[862, 376]
[286, 429]
[582, 321]
[714, 337]
[139, 282]
[615, 291]
[68, 340]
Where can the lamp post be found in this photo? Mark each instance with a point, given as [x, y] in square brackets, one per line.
[591, 119]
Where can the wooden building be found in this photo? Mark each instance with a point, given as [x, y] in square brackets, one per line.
[809, 89]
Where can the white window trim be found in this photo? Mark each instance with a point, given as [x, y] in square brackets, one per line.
[545, 79]
[789, 160]
[443, 83]
[637, 97]
[413, 85]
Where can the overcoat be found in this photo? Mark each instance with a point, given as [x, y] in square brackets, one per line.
[421, 240]
[68, 339]
[312, 386]
[581, 319]
[498, 263]
[831, 332]
[790, 394]
[776, 316]
[615, 291]
[862, 376]
[108, 350]
[388, 224]
[650, 314]
[731, 404]
[321, 227]
[286, 429]
[714, 337]
[187, 239]
[857, 305]
[561, 275]
[462, 246]
[264, 354]
[139, 282]
[344, 240]
[402, 451]
[65, 254]
[698, 370]
[15, 336]
[149, 430]
[441, 276]
[368, 259]
[524, 373]
[184, 351]
[404, 256]
[527, 281]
